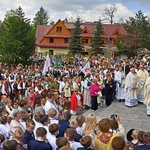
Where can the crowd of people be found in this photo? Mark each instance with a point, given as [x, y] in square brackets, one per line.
[36, 109]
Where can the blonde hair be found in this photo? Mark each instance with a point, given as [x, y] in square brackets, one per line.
[90, 124]
[18, 134]
[52, 112]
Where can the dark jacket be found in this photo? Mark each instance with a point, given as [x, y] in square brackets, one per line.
[64, 124]
[39, 145]
[28, 137]
[142, 147]
[77, 137]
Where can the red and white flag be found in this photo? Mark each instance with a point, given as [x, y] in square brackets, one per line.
[46, 65]
[86, 69]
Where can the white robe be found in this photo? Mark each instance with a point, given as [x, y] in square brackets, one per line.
[142, 75]
[147, 95]
[120, 84]
[131, 94]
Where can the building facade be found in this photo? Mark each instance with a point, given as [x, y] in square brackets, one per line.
[55, 38]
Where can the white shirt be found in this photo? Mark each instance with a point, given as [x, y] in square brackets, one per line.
[5, 130]
[53, 120]
[79, 130]
[74, 145]
[52, 140]
[49, 105]
[86, 84]
[37, 125]
[61, 86]
[10, 111]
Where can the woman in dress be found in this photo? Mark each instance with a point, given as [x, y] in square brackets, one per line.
[86, 92]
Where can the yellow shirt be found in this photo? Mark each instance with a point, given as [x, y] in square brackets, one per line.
[103, 141]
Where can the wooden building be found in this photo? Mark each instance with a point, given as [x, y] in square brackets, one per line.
[55, 38]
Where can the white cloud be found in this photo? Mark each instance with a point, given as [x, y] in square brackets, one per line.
[88, 10]
[123, 12]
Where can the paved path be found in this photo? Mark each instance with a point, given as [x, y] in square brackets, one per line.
[134, 117]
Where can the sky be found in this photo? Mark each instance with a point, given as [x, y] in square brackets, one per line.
[87, 10]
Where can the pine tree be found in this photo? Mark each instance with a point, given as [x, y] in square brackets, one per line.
[19, 12]
[41, 17]
[97, 41]
[75, 42]
[17, 39]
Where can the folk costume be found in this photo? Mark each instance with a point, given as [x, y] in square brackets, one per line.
[103, 140]
[67, 90]
[86, 92]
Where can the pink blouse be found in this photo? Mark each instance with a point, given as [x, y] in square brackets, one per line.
[94, 88]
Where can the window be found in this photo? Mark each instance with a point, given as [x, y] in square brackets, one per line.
[85, 40]
[85, 31]
[51, 40]
[66, 40]
[59, 29]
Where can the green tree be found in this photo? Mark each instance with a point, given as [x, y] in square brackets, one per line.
[97, 41]
[75, 42]
[137, 36]
[143, 26]
[52, 22]
[41, 17]
[17, 38]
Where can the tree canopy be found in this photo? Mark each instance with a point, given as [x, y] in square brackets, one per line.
[75, 42]
[97, 41]
[138, 34]
[41, 17]
[17, 38]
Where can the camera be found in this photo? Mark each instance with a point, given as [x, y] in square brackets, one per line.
[112, 117]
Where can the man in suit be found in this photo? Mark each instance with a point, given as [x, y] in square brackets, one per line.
[29, 135]
[40, 143]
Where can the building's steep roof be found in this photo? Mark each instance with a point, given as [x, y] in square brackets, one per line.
[109, 31]
[41, 30]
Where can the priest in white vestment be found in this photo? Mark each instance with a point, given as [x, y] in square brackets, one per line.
[131, 88]
[142, 75]
[120, 79]
[147, 95]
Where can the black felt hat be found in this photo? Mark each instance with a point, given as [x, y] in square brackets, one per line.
[129, 133]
